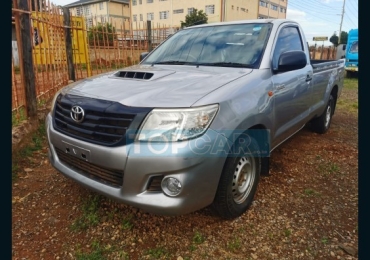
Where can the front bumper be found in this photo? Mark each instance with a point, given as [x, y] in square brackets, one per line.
[198, 170]
[351, 68]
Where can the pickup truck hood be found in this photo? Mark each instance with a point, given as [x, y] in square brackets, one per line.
[168, 86]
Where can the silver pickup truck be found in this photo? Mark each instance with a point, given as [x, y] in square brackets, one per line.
[194, 123]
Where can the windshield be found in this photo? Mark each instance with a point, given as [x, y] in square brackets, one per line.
[354, 47]
[238, 45]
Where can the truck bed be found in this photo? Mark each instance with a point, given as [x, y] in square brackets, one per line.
[322, 65]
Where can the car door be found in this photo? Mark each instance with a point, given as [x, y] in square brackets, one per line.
[291, 89]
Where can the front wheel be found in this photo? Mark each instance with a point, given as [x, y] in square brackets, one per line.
[238, 182]
[321, 124]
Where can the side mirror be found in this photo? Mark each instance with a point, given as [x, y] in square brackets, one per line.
[344, 47]
[291, 60]
[143, 55]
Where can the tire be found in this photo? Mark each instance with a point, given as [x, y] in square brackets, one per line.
[238, 182]
[322, 123]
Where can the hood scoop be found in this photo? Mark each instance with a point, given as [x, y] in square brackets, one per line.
[134, 75]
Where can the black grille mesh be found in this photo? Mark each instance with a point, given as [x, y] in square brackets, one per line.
[104, 175]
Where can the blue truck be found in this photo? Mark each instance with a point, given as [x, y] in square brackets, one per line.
[351, 65]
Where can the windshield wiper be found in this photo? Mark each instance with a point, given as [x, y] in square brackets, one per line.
[172, 62]
[227, 64]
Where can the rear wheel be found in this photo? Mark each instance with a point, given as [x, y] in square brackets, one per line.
[322, 123]
[238, 182]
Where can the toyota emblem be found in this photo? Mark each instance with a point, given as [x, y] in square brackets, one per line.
[77, 114]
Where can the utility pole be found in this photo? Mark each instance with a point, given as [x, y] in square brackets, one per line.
[341, 22]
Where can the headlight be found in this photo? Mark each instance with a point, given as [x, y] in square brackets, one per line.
[163, 125]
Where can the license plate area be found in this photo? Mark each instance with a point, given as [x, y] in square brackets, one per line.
[76, 151]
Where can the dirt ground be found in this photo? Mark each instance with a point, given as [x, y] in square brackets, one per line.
[306, 209]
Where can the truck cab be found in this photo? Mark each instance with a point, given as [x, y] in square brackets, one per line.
[351, 65]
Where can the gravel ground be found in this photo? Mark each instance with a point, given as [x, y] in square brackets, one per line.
[306, 209]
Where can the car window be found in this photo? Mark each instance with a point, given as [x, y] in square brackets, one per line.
[289, 39]
[354, 47]
[242, 44]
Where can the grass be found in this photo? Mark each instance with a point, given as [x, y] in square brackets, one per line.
[234, 244]
[345, 102]
[311, 192]
[97, 253]
[90, 214]
[329, 168]
[157, 252]
[37, 143]
[287, 232]
[198, 238]
[18, 116]
[127, 223]
[325, 240]
[350, 83]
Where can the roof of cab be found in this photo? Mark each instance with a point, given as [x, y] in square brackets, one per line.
[274, 21]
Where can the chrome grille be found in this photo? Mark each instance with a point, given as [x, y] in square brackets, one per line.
[105, 122]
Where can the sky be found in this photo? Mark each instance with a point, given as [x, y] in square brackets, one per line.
[317, 17]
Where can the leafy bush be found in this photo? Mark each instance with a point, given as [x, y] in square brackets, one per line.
[102, 34]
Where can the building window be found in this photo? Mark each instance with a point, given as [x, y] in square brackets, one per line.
[237, 8]
[150, 16]
[134, 2]
[232, 7]
[282, 10]
[149, 1]
[210, 9]
[87, 10]
[263, 3]
[162, 0]
[190, 10]
[243, 10]
[141, 17]
[178, 11]
[101, 6]
[140, 2]
[163, 15]
[102, 19]
[134, 17]
[83, 11]
[89, 22]
[79, 10]
[274, 7]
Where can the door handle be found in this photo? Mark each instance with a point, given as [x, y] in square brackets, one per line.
[308, 78]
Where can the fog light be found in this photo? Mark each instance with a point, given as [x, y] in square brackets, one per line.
[171, 186]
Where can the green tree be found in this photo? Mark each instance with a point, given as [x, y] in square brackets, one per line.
[343, 38]
[102, 34]
[334, 39]
[194, 18]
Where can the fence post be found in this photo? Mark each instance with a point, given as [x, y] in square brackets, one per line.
[68, 42]
[322, 51]
[149, 28]
[27, 46]
[314, 52]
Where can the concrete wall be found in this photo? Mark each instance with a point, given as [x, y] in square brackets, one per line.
[241, 10]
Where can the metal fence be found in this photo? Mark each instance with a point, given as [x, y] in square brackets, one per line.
[322, 52]
[100, 48]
